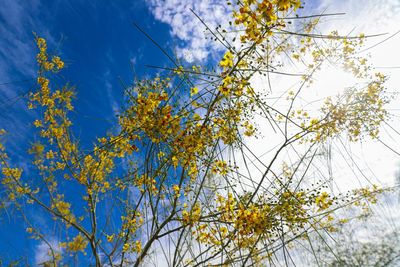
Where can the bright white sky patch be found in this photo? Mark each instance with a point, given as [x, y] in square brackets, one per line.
[369, 17]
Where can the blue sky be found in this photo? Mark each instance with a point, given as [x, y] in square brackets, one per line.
[96, 39]
[99, 44]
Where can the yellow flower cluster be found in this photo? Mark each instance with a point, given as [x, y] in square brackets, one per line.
[246, 223]
[323, 201]
[259, 17]
[284, 5]
[131, 222]
[367, 194]
[78, 244]
[232, 86]
[221, 167]
[149, 113]
[176, 190]
[359, 112]
[190, 217]
[227, 60]
[144, 182]
[64, 209]
[55, 64]
[11, 180]
[135, 247]
[54, 126]
[227, 122]
[249, 128]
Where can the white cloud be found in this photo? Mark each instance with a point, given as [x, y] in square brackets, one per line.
[44, 251]
[372, 16]
[111, 94]
[189, 29]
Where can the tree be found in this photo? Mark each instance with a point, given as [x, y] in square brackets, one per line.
[373, 241]
[382, 252]
[175, 182]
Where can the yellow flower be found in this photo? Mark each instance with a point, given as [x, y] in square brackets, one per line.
[284, 5]
[50, 154]
[323, 201]
[194, 91]
[106, 185]
[179, 70]
[79, 243]
[220, 167]
[58, 62]
[249, 129]
[138, 246]
[196, 117]
[125, 247]
[110, 238]
[227, 60]
[176, 189]
[37, 123]
[175, 161]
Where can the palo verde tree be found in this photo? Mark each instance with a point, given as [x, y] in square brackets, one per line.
[176, 182]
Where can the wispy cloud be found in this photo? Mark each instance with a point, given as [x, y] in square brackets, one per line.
[45, 251]
[18, 20]
[189, 29]
[111, 94]
[372, 16]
